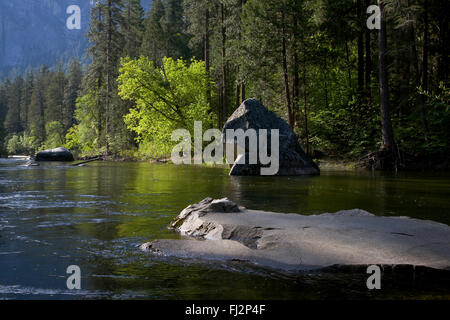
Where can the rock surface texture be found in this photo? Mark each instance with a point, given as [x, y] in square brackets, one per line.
[253, 115]
[58, 154]
[220, 230]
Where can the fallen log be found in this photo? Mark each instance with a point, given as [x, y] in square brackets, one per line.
[84, 162]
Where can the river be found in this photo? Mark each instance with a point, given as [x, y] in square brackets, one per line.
[54, 216]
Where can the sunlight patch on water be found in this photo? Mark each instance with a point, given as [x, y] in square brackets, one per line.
[21, 290]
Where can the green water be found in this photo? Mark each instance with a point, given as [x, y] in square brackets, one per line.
[95, 217]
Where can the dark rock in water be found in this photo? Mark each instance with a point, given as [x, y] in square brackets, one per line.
[58, 154]
[253, 115]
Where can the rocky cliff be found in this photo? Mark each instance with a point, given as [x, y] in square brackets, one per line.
[34, 32]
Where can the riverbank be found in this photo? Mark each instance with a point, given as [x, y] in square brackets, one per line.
[413, 162]
[293, 242]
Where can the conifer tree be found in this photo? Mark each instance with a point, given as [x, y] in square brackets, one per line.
[105, 51]
[36, 110]
[54, 96]
[154, 42]
[71, 92]
[25, 102]
[174, 27]
[132, 27]
[12, 121]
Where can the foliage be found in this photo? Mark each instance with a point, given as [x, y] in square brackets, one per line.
[21, 145]
[166, 98]
[82, 137]
[54, 132]
[314, 63]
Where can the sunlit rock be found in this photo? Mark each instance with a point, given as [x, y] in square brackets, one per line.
[299, 242]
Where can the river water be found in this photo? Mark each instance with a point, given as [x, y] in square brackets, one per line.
[54, 216]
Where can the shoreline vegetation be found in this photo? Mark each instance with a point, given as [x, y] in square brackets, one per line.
[423, 164]
[380, 98]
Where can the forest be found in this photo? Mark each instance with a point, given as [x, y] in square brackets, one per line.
[346, 90]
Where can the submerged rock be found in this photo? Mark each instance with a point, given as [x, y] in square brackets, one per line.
[299, 242]
[58, 154]
[31, 163]
[253, 115]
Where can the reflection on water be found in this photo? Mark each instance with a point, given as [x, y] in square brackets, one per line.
[53, 216]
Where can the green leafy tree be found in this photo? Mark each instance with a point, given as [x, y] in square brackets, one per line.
[83, 136]
[167, 98]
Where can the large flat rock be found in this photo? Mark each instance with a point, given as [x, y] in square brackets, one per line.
[220, 230]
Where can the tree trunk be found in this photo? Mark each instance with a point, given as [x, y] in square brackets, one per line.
[443, 63]
[240, 93]
[424, 79]
[347, 56]
[305, 101]
[325, 67]
[368, 65]
[224, 62]
[108, 76]
[206, 53]
[296, 80]
[286, 73]
[99, 102]
[360, 49]
[243, 78]
[419, 99]
[386, 124]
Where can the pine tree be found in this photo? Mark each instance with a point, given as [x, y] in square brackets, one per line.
[174, 27]
[36, 110]
[71, 91]
[154, 42]
[235, 48]
[132, 27]
[4, 88]
[25, 102]
[201, 15]
[272, 37]
[54, 96]
[105, 51]
[386, 124]
[12, 120]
